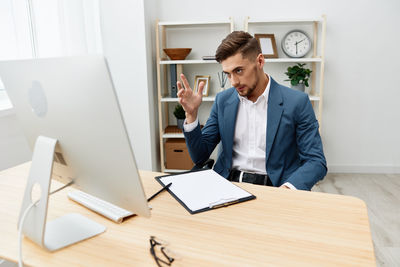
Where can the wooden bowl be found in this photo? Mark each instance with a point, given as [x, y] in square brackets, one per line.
[177, 53]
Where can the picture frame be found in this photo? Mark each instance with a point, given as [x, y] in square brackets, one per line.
[206, 80]
[268, 45]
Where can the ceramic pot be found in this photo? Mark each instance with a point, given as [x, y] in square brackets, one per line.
[299, 87]
[180, 123]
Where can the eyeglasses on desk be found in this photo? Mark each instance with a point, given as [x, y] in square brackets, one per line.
[158, 246]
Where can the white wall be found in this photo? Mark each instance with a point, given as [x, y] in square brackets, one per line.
[127, 45]
[361, 115]
[63, 28]
[128, 52]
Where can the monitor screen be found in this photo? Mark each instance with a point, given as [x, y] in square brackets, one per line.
[72, 99]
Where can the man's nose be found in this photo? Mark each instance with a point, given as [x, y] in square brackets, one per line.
[234, 81]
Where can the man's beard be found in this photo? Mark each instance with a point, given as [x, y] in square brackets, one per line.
[254, 86]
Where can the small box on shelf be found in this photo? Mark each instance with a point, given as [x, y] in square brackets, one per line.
[172, 129]
[177, 155]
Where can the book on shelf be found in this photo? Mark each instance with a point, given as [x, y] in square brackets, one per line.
[173, 129]
[174, 89]
[208, 57]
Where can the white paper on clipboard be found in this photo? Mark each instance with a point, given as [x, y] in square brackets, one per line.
[203, 189]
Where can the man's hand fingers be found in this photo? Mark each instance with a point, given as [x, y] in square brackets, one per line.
[179, 84]
[201, 88]
[181, 91]
[185, 82]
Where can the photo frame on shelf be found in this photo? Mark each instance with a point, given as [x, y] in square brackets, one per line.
[202, 78]
[268, 45]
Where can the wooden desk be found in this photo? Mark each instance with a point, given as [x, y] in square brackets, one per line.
[280, 228]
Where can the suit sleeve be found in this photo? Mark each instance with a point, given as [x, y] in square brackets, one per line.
[313, 164]
[202, 142]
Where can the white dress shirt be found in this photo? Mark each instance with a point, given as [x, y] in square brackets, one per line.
[249, 140]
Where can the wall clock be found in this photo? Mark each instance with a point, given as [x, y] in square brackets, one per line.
[296, 44]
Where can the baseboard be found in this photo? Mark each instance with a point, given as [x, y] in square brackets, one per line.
[363, 169]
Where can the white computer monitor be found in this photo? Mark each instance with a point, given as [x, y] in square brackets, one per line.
[72, 100]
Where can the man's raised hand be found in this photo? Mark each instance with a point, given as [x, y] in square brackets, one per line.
[189, 100]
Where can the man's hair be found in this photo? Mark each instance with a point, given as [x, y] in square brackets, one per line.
[238, 41]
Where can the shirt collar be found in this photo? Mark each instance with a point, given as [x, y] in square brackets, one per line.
[264, 94]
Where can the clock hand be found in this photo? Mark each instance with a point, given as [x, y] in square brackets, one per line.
[300, 41]
[296, 47]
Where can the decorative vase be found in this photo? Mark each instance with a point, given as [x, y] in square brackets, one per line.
[299, 87]
[180, 123]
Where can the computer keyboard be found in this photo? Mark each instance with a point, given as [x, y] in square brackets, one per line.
[100, 206]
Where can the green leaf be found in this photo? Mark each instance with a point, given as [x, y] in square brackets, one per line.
[298, 73]
[179, 112]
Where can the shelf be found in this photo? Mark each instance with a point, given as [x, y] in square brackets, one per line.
[172, 131]
[173, 135]
[190, 61]
[175, 99]
[285, 21]
[191, 23]
[268, 60]
[212, 99]
[290, 60]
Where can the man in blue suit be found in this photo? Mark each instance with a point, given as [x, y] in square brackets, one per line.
[268, 132]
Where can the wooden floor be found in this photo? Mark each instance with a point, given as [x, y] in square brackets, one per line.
[381, 193]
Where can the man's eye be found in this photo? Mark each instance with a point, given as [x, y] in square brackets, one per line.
[239, 71]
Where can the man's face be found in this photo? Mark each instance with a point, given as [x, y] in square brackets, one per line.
[242, 73]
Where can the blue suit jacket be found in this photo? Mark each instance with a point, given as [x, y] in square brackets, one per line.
[294, 151]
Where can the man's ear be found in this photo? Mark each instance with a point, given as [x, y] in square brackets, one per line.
[260, 61]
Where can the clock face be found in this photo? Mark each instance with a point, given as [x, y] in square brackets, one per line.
[296, 44]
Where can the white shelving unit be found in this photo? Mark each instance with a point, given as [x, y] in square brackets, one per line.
[172, 135]
[196, 23]
[282, 20]
[174, 99]
[292, 60]
[198, 61]
[317, 59]
[164, 97]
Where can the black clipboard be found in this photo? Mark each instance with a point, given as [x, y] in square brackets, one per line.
[205, 180]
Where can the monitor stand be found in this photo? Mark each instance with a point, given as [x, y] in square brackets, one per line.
[63, 231]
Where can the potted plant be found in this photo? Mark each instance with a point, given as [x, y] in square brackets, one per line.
[298, 76]
[179, 113]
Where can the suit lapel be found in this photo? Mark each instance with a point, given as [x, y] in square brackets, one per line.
[275, 110]
[230, 114]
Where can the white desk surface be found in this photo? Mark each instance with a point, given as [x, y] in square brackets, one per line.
[280, 228]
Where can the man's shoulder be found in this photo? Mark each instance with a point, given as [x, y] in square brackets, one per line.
[290, 94]
[226, 94]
